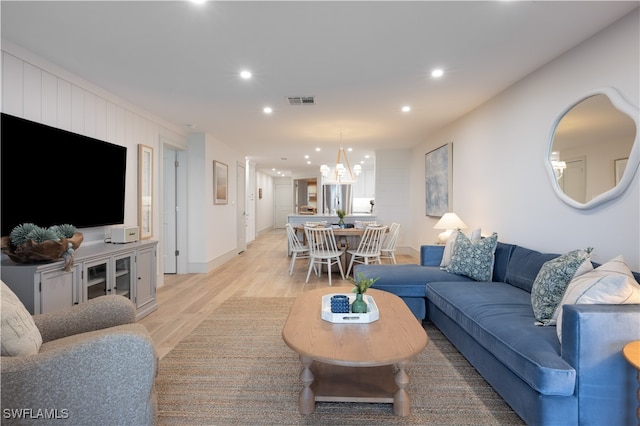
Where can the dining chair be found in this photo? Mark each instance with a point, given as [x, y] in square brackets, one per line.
[322, 250]
[296, 248]
[388, 248]
[368, 250]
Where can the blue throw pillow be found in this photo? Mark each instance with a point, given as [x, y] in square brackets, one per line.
[473, 259]
[552, 281]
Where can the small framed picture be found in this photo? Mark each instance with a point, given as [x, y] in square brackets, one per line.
[145, 191]
[220, 183]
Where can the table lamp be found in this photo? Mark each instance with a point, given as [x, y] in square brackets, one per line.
[449, 222]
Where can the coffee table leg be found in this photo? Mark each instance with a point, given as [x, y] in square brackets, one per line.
[401, 401]
[307, 399]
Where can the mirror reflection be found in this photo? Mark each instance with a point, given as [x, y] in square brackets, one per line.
[590, 148]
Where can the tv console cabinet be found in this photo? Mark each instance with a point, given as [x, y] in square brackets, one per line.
[98, 269]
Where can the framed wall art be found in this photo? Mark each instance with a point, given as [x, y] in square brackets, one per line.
[220, 183]
[438, 180]
[145, 191]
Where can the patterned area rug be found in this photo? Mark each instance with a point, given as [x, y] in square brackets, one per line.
[234, 368]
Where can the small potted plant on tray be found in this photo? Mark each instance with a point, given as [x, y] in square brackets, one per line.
[361, 284]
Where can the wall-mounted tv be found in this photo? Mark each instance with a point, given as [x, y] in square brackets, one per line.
[51, 176]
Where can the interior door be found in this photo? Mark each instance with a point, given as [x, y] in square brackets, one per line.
[573, 180]
[169, 233]
[283, 204]
[241, 209]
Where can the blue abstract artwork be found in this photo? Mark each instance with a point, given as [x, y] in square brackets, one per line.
[437, 181]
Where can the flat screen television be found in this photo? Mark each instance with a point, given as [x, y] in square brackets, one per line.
[51, 177]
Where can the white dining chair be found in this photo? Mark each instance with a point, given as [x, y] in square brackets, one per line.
[388, 248]
[368, 250]
[296, 248]
[322, 250]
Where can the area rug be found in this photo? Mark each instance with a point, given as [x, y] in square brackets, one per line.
[234, 368]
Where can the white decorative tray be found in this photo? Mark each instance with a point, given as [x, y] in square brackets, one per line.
[373, 314]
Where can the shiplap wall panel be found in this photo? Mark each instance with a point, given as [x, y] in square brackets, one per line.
[112, 125]
[77, 110]
[120, 125]
[12, 85]
[89, 114]
[101, 118]
[49, 99]
[64, 104]
[32, 93]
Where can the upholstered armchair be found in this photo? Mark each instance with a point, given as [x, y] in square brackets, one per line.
[94, 365]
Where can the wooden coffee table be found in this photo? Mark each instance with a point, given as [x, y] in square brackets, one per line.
[354, 362]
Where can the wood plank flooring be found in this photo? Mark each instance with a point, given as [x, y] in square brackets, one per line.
[261, 271]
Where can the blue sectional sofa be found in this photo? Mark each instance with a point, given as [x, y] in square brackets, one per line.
[584, 380]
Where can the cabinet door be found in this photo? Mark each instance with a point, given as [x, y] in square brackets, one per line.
[123, 275]
[57, 290]
[96, 276]
[146, 282]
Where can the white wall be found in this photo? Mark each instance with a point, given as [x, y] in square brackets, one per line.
[499, 178]
[392, 196]
[212, 228]
[265, 205]
[40, 91]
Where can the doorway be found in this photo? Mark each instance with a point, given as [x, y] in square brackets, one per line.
[174, 201]
[241, 210]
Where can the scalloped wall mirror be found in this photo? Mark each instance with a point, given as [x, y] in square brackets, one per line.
[593, 150]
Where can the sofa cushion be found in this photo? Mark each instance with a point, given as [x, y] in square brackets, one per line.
[405, 280]
[524, 266]
[498, 316]
[451, 243]
[612, 283]
[502, 257]
[553, 279]
[473, 259]
[20, 336]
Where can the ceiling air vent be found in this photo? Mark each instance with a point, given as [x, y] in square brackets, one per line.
[301, 100]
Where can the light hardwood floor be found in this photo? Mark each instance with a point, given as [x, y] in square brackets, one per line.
[261, 271]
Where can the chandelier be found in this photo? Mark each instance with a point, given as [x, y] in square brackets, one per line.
[340, 173]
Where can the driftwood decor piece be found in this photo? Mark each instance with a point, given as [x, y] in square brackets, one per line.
[46, 251]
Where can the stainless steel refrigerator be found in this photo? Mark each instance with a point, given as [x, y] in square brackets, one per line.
[336, 197]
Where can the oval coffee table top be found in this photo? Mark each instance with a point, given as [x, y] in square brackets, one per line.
[396, 336]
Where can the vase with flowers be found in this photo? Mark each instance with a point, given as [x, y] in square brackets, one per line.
[361, 284]
[341, 214]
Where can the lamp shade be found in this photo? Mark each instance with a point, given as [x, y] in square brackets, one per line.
[450, 221]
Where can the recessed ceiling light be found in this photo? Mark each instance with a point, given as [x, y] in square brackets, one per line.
[366, 156]
[306, 156]
[267, 110]
[198, 1]
[349, 149]
[317, 149]
[438, 72]
[406, 108]
[245, 74]
[308, 162]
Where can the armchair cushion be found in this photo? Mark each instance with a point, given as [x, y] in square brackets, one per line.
[96, 314]
[18, 332]
[95, 366]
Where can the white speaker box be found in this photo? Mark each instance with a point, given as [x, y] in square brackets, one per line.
[125, 234]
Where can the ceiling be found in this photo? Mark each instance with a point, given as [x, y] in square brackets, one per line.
[362, 61]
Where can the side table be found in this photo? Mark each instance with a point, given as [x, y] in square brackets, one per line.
[631, 352]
